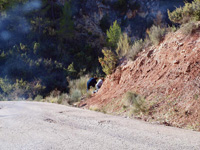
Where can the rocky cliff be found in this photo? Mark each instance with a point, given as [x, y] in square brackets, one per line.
[166, 75]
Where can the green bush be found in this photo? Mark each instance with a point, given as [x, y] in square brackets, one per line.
[75, 95]
[123, 46]
[38, 98]
[191, 11]
[80, 84]
[20, 88]
[71, 70]
[135, 102]
[109, 62]
[156, 34]
[114, 34]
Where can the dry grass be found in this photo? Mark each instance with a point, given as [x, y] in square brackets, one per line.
[135, 103]
[188, 28]
[136, 48]
[123, 46]
[156, 34]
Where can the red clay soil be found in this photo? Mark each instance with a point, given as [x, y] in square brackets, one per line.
[168, 75]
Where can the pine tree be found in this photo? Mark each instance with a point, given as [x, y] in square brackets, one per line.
[66, 22]
[114, 34]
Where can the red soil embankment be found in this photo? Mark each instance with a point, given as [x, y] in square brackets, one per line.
[168, 74]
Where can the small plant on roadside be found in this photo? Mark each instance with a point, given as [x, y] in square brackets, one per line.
[63, 99]
[80, 84]
[75, 95]
[38, 98]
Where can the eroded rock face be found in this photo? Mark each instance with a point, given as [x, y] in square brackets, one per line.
[167, 75]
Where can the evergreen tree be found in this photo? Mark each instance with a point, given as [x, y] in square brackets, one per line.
[66, 22]
[114, 34]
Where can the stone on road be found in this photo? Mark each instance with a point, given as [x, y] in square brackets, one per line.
[45, 126]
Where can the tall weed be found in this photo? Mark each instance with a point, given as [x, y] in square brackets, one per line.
[156, 34]
[123, 46]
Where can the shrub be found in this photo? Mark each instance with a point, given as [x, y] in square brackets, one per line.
[172, 28]
[71, 70]
[77, 88]
[63, 99]
[38, 98]
[80, 84]
[20, 88]
[135, 102]
[114, 34]
[188, 28]
[75, 95]
[136, 48]
[109, 61]
[123, 45]
[156, 34]
[191, 11]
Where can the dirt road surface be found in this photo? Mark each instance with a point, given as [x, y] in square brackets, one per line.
[44, 126]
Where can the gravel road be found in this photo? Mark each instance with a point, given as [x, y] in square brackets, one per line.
[45, 126]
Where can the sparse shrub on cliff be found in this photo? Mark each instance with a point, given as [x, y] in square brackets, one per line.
[135, 103]
[109, 62]
[191, 11]
[136, 48]
[156, 34]
[173, 28]
[188, 28]
[123, 46]
[114, 34]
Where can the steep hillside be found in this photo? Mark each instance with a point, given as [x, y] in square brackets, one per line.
[168, 76]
